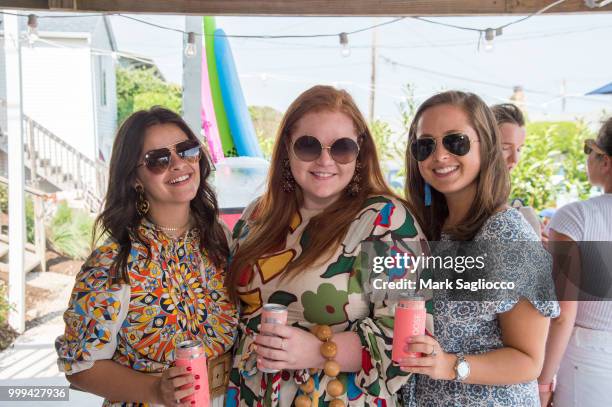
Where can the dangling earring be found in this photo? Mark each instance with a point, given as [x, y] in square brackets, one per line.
[427, 194]
[354, 186]
[142, 205]
[288, 180]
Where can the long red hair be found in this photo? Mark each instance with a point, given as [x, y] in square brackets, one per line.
[276, 208]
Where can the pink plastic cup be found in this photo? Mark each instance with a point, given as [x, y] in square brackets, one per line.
[410, 318]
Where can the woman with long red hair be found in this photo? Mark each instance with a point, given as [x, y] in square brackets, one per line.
[300, 245]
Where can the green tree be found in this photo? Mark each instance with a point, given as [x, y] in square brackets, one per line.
[266, 121]
[552, 163]
[141, 89]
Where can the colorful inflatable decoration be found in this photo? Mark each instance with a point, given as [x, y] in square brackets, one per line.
[223, 99]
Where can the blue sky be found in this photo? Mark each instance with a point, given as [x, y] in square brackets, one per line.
[538, 54]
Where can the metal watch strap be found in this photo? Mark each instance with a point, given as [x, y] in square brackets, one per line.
[460, 360]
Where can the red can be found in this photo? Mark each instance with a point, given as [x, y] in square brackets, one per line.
[191, 354]
[273, 314]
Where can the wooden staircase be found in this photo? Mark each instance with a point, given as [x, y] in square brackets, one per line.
[54, 165]
[31, 261]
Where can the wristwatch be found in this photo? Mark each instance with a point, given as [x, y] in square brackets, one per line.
[462, 368]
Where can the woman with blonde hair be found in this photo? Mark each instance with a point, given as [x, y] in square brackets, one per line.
[487, 351]
[300, 245]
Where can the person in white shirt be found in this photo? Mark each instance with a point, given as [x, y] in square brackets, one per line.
[579, 345]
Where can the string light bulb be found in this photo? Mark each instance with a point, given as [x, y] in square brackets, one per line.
[489, 37]
[32, 29]
[346, 50]
[190, 48]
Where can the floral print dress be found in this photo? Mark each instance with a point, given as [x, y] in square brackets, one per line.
[332, 293]
[174, 295]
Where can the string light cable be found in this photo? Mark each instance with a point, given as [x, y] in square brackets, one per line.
[489, 34]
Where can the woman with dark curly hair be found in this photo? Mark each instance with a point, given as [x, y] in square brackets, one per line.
[158, 278]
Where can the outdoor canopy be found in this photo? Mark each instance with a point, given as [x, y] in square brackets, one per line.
[604, 90]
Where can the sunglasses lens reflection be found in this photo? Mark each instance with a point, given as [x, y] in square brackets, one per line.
[307, 148]
[457, 144]
[189, 151]
[344, 150]
[158, 161]
[422, 148]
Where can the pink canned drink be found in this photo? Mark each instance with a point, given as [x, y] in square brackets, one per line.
[191, 354]
[410, 318]
[273, 314]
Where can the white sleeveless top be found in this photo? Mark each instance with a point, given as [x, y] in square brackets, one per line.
[590, 220]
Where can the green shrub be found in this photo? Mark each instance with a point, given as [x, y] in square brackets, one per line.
[4, 304]
[29, 211]
[70, 232]
[552, 164]
[142, 88]
[3, 198]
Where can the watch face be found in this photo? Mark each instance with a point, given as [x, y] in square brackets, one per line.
[463, 369]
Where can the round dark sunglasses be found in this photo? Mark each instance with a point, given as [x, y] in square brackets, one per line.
[343, 150]
[455, 143]
[158, 160]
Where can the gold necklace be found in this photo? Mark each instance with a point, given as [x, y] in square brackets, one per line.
[171, 228]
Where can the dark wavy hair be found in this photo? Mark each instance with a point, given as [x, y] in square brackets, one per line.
[119, 219]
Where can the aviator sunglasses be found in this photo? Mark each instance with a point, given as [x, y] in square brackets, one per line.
[343, 150]
[456, 143]
[158, 160]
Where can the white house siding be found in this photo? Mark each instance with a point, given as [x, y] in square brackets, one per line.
[2, 87]
[104, 67]
[57, 92]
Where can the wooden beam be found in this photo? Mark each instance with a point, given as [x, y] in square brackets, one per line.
[63, 5]
[308, 7]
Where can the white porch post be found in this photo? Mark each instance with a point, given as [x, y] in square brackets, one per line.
[192, 75]
[16, 173]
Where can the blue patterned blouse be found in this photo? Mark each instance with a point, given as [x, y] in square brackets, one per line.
[472, 327]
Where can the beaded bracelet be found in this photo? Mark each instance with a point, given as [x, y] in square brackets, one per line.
[335, 388]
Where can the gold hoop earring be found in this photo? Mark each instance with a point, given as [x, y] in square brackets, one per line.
[142, 205]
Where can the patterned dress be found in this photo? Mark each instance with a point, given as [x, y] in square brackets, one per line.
[332, 293]
[472, 327]
[175, 295]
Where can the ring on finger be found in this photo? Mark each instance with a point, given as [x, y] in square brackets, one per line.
[283, 344]
[433, 351]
